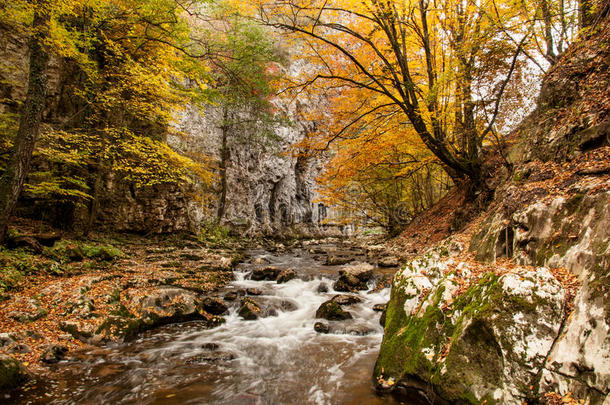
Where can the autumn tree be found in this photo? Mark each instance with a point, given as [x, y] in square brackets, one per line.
[14, 176]
[443, 70]
[125, 67]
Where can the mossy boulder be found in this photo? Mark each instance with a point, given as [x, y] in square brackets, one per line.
[12, 373]
[249, 310]
[487, 345]
[332, 311]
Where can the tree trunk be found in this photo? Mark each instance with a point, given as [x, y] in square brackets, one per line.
[11, 182]
[224, 158]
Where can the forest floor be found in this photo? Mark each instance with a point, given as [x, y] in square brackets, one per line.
[56, 299]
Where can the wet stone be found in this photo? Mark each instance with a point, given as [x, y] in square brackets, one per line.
[250, 310]
[268, 273]
[230, 296]
[337, 260]
[322, 288]
[215, 306]
[253, 291]
[379, 307]
[285, 276]
[321, 327]
[332, 311]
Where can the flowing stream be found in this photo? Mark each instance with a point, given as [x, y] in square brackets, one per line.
[278, 359]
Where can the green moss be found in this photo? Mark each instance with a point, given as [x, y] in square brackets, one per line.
[12, 374]
[405, 337]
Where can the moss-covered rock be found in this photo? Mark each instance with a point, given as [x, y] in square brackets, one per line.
[487, 345]
[332, 311]
[12, 373]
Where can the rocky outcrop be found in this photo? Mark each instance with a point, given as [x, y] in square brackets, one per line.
[487, 343]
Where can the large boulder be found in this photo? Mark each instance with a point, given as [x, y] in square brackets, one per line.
[486, 345]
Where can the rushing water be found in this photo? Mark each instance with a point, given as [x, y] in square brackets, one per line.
[279, 359]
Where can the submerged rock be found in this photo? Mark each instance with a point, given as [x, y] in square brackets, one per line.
[322, 288]
[332, 311]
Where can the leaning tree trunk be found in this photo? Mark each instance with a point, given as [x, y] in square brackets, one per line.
[18, 167]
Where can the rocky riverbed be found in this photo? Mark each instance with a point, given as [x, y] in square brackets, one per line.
[287, 324]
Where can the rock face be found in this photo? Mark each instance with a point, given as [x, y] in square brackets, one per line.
[268, 190]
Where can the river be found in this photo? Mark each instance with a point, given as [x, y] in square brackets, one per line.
[278, 359]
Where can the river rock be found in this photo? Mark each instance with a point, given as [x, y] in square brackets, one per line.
[230, 296]
[215, 306]
[53, 354]
[260, 261]
[332, 311]
[321, 327]
[359, 330]
[12, 373]
[249, 310]
[346, 299]
[269, 273]
[253, 291]
[333, 260]
[285, 276]
[168, 305]
[379, 307]
[322, 288]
